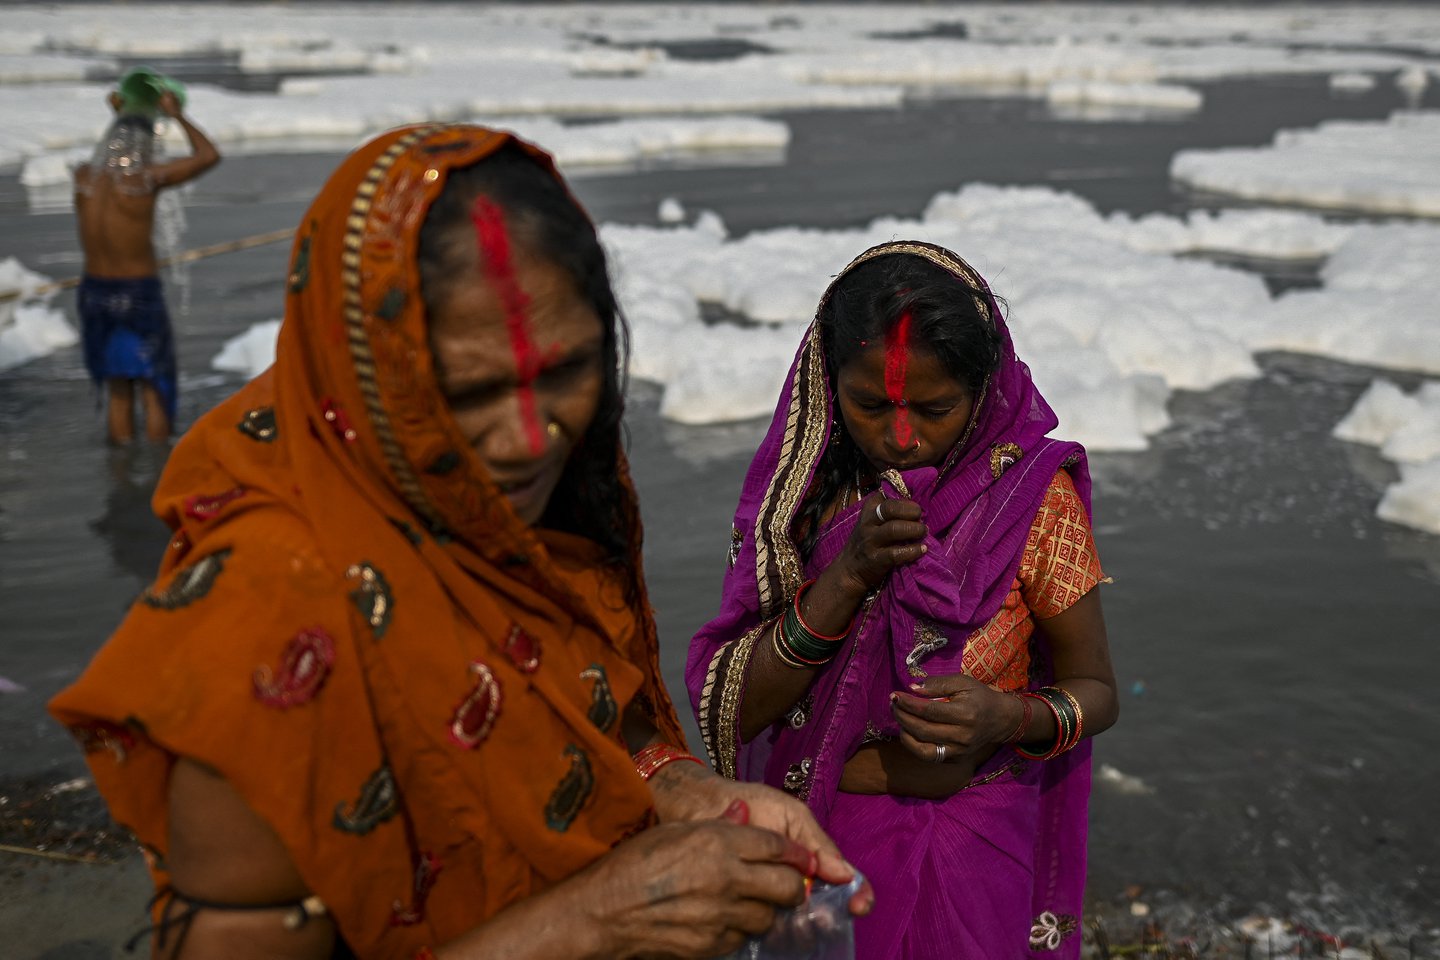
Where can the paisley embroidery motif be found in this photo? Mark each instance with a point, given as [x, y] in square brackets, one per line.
[571, 793]
[799, 715]
[928, 639]
[1050, 930]
[378, 802]
[338, 420]
[797, 778]
[1003, 456]
[523, 650]
[476, 714]
[304, 667]
[259, 424]
[372, 597]
[202, 507]
[603, 709]
[427, 871]
[189, 585]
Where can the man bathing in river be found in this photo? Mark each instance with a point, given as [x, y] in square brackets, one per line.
[126, 329]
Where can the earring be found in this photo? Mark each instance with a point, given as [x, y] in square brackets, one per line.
[553, 429]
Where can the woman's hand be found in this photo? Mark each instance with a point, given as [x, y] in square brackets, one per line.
[688, 792]
[956, 712]
[887, 535]
[695, 889]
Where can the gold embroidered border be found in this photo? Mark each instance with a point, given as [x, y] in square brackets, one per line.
[778, 572]
[719, 721]
[942, 258]
[359, 339]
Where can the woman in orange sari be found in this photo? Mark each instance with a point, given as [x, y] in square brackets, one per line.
[395, 692]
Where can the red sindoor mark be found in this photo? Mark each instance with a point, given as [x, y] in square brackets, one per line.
[494, 240]
[897, 364]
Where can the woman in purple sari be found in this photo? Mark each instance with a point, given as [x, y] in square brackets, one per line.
[903, 530]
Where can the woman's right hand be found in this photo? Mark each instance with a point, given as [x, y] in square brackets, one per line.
[889, 534]
[695, 889]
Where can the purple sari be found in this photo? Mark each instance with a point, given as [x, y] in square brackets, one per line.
[996, 870]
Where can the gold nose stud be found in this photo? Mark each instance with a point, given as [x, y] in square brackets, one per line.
[553, 429]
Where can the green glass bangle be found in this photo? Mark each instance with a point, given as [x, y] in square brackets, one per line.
[802, 643]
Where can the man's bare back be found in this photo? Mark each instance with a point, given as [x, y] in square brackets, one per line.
[115, 227]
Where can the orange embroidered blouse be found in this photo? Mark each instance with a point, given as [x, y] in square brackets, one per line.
[1059, 567]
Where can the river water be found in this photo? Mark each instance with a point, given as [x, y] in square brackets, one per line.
[1274, 640]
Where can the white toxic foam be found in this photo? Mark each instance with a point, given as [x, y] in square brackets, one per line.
[670, 210]
[29, 68]
[386, 65]
[1155, 96]
[251, 352]
[1406, 428]
[1387, 167]
[1415, 500]
[29, 327]
[32, 330]
[1352, 82]
[620, 143]
[1108, 329]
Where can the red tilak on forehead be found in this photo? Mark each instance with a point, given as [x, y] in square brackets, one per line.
[495, 260]
[897, 363]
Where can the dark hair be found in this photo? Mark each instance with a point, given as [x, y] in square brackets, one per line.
[544, 219]
[863, 306]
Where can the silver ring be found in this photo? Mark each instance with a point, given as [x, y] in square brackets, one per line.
[939, 753]
[878, 515]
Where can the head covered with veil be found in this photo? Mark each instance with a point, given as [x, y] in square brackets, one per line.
[979, 496]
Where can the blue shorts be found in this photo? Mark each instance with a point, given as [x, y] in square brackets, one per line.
[126, 333]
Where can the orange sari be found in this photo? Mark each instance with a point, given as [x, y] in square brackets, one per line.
[420, 694]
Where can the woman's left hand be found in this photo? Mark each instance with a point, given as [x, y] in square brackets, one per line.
[688, 791]
[953, 717]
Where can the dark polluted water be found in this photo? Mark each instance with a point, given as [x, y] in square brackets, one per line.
[1277, 742]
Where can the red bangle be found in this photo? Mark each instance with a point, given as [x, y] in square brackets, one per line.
[1058, 747]
[1019, 733]
[811, 630]
[650, 759]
